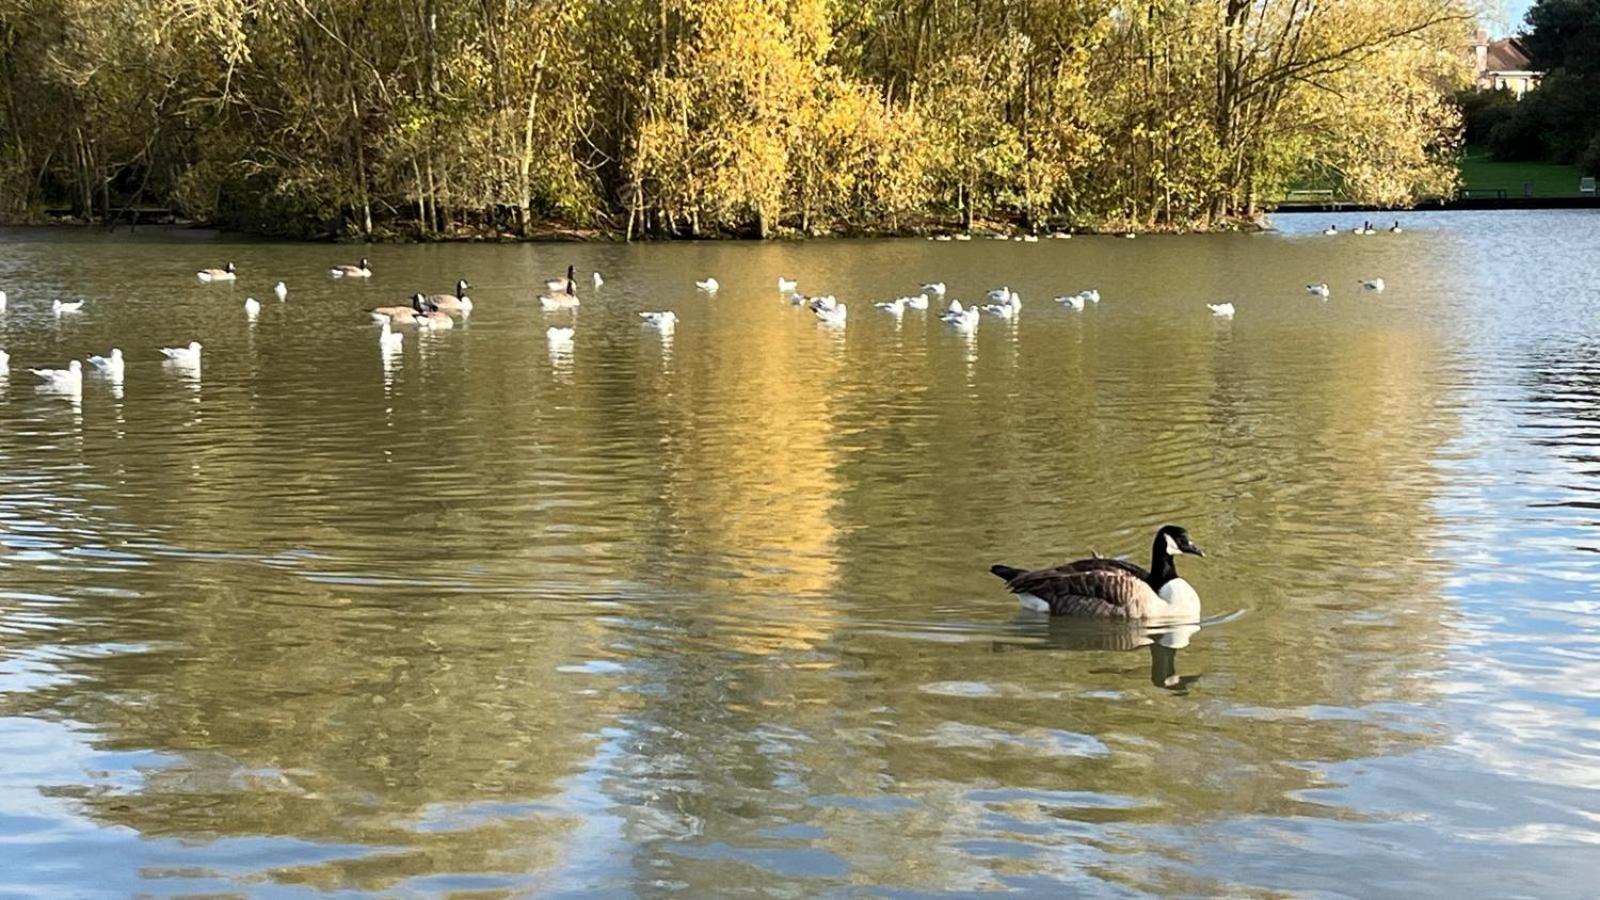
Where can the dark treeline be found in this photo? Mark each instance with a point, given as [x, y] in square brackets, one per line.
[1560, 120]
[435, 118]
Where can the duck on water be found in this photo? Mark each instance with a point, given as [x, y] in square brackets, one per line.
[1100, 588]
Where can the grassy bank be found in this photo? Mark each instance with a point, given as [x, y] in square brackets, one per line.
[1479, 172]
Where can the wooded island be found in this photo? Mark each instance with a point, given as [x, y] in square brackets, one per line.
[430, 119]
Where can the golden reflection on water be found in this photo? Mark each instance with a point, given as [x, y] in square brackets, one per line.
[713, 612]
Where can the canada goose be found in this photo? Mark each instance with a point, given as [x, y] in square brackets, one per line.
[358, 271]
[786, 285]
[832, 315]
[1221, 310]
[710, 285]
[562, 285]
[109, 366]
[1320, 289]
[896, 308]
[226, 273]
[1373, 284]
[560, 338]
[1073, 301]
[563, 295]
[934, 289]
[184, 356]
[68, 379]
[71, 306]
[1395, 228]
[399, 315]
[389, 340]
[252, 307]
[282, 290]
[1111, 588]
[663, 322]
[916, 301]
[430, 316]
[457, 302]
[1331, 229]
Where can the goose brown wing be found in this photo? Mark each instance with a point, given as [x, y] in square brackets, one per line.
[1093, 588]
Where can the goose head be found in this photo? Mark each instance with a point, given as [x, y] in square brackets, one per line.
[461, 288]
[419, 303]
[228, 268]
[1172, 541]
[364, 263]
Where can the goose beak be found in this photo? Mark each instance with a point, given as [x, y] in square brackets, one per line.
[1194, 550]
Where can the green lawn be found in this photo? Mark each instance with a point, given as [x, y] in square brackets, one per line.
[1479, 172]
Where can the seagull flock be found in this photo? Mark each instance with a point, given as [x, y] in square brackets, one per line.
[438, 311]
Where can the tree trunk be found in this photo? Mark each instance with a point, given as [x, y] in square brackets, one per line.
[525, 164]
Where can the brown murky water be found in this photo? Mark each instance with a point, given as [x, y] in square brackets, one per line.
[712, 613]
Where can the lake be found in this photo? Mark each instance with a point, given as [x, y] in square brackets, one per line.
[712, 614]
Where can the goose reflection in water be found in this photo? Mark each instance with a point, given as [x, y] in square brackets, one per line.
[1163, 642]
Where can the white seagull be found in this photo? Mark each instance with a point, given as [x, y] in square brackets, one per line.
[560, 338]
[962, 319]
[1320, 289]
[282, 290]
[183, 356]
[709, 285]
[1373, 284]
[832, 315]
[916, 301]
[934, 289]
[1075, 301]
[252, 307]
[109, 366]
[598, 280]
[68, 379]
[663, 322]
[1221, 310]
[72, 306]
[786, 285]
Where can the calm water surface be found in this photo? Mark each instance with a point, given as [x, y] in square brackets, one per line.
[712, 615]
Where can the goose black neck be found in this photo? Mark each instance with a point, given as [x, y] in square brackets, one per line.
[1163, 568]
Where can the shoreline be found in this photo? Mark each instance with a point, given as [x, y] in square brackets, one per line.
[559, 233]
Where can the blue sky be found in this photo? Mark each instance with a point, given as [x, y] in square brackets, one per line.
[1515, 10]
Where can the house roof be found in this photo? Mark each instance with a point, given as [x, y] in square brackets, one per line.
[1505, 55]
